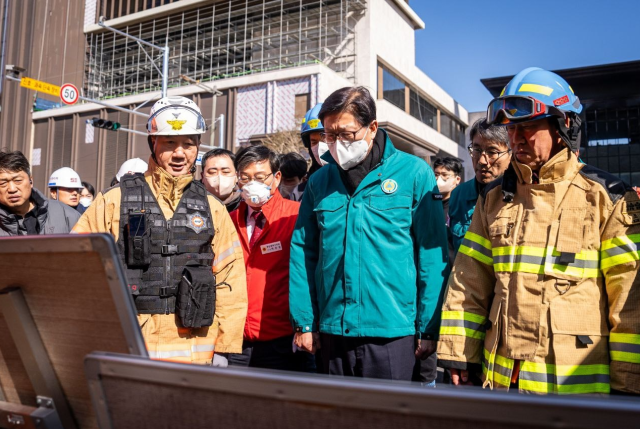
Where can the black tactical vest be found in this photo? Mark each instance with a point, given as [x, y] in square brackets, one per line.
[171, 245]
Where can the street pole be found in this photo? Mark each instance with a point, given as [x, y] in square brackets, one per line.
[165, 70]
[213, 115]
[165, 51]
[221, 130]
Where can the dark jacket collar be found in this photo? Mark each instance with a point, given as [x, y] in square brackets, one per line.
[10, 222]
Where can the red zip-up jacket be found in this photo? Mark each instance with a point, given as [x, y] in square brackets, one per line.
[268, 268]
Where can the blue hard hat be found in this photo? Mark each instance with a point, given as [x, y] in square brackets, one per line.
[311, 122]
[545, 86]
[534, 94]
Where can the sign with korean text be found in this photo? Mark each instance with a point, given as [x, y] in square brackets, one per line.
[36, 85]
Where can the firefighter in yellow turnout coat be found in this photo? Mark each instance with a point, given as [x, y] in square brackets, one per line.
[185, 216]
[544, 294]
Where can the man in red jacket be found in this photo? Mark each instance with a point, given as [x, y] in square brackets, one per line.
[265, 223]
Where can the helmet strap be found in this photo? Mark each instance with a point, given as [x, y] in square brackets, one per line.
[571, 135]
[153, 152]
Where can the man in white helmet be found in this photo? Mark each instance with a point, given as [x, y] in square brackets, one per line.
[132, 166]
[65, 186]
[184, 263]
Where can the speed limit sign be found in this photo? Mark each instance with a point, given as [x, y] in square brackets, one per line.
[69, 93]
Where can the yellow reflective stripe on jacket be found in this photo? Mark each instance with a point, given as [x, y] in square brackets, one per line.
[497, 368]
[624, 347]
[476, 247]
[547, 378]
[619, 250]
[464, 324]
[540, 260]
[564, 379]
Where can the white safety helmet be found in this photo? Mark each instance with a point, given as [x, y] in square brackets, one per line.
[175, 116]
[131, 166]
[65, 177]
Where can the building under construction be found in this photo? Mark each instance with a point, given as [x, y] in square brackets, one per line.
[253, 66]
[224, 39]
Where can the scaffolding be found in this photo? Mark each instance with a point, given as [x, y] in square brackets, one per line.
[225, 39]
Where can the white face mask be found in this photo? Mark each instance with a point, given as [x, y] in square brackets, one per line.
[85, 202]
[446, 186]
[318, 150]
[256, 194]
[221, 185]
[348, 155]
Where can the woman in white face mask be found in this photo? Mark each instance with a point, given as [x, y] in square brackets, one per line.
[87, 194]
[220, 178]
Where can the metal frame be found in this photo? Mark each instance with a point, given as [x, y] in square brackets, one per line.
[224, 39]
[34, 355]
[21, 416]
[474, 405]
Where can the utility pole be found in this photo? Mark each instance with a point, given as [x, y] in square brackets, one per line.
[165, 53]
[215, 93]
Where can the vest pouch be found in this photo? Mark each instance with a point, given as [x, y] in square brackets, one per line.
[196, 301]
[138, 241]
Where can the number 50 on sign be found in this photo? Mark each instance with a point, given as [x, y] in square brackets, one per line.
[69, 93]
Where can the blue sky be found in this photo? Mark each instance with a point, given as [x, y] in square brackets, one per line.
[466, 40]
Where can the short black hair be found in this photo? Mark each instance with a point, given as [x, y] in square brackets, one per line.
[257, 153]
[355, 100]
[214, 153]
[450, 163]
[114, 181]
[14, 162]
[90, 188]
[293, 164]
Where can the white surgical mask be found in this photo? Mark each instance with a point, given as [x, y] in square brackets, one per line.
[256, 194]
[348, 155]
[85, 202]
[446, 186]
[221, 185]
[318, 150]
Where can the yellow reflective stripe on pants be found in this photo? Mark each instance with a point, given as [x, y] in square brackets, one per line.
[476, 247]
[624, 347]
[464, 324]
[540, 260]
[497, 369]
[564, 379]
[619, 250]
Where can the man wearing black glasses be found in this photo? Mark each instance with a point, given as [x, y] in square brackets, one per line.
[490, 156]
[265, 222]
[368, 255]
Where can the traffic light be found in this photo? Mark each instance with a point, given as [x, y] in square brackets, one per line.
[103, 123]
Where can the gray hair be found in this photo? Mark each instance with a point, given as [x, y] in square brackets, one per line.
[494, 133]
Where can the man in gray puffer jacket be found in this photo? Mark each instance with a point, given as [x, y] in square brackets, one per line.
[23, 209]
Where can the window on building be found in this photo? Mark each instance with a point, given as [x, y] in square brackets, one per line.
[611, 141]
[451, 128]
[422, 110]
[393, 89]
[302, 106]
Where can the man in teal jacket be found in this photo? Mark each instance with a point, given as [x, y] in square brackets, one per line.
[490, 155]
[369, 251]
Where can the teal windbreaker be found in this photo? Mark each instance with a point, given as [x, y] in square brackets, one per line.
[461, 206]
[373, 264]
